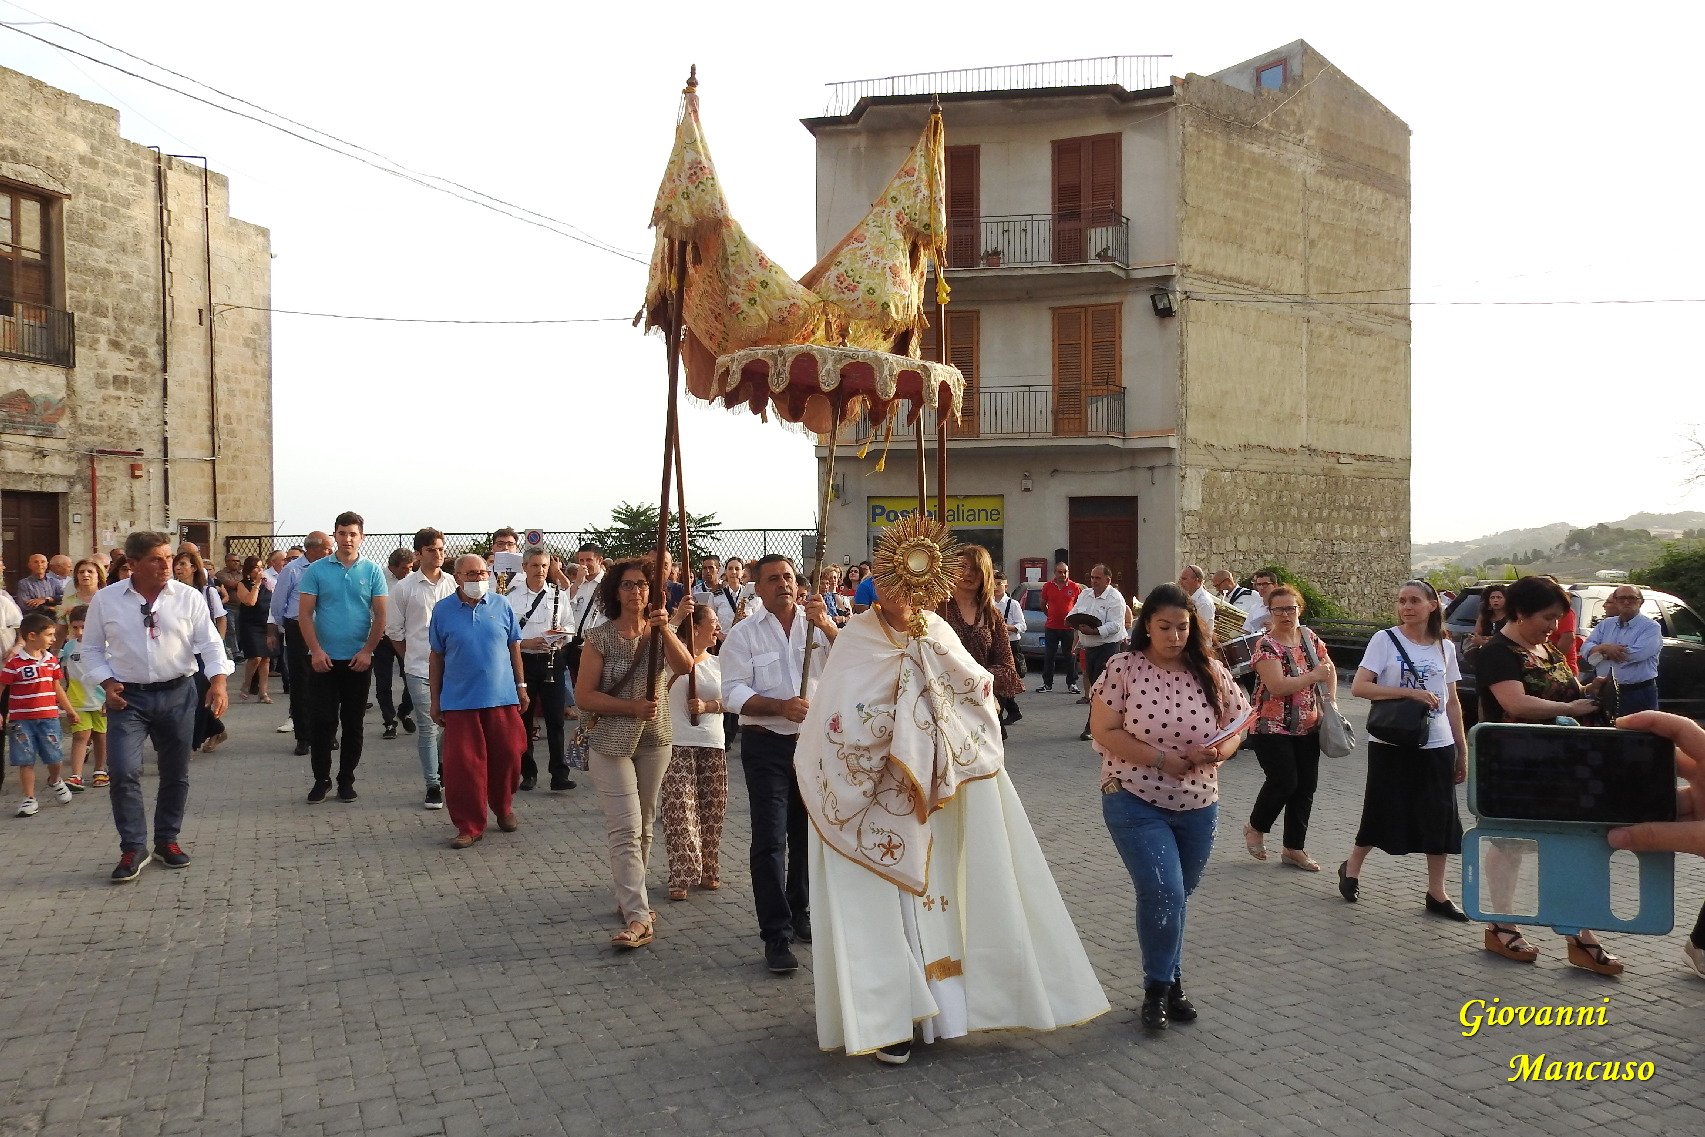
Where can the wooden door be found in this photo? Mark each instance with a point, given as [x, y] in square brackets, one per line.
[29, 524]
[964, 207]
[1104, 530]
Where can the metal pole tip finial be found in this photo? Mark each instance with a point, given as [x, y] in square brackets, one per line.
[693, 78]
[935, 103]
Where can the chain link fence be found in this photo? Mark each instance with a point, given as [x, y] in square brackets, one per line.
[747, 544]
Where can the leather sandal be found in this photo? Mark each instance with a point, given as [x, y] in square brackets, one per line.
[677, 894]
[710, 884]
[1592, 957]
[1299, 859]
[636, 935]
[1500, 939]
[1255, 841]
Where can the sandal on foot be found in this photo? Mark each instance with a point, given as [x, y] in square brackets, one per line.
[710, 884]
[1255, 841]
[677, 894]
[1299, 859]
[635, 935]
[1503, 940]
[1592, 957]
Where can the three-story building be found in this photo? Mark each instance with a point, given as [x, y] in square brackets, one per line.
[1180, 308]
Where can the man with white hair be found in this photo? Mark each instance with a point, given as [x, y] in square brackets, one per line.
[1624, 645]
[1190, 580]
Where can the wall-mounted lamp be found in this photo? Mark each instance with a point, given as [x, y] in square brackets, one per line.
[1163, 304]
[1024, 483]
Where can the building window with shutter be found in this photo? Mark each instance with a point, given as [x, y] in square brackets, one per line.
[1088, 221]
[964, 331]
[964, 207]
[1089, 388]
[25, 265]
[31, 327]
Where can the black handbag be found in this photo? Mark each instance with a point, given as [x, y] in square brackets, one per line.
[1400, 722]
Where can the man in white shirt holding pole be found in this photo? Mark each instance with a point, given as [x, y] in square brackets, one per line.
[408, 619]
[1105, 605]
[763, 660]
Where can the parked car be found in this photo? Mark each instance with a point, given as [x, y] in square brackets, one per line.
[1029, 597]
[1681, 664]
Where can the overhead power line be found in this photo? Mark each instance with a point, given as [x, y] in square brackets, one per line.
[223, 308]
[1245, 298]
[343, 148]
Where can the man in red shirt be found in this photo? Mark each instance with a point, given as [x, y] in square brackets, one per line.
[1058, 596]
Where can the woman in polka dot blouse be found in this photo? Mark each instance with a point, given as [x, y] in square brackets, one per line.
[1153, 716]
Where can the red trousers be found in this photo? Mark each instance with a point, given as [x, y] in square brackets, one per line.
[481, 755]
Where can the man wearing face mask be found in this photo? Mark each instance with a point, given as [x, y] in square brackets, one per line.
[478, 691]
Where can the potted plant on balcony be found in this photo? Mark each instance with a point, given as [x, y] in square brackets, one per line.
[991, 258]
[1105, 256]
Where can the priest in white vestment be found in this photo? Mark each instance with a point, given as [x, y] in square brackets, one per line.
[934, 911]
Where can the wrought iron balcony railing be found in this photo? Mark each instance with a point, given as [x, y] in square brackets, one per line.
[42, 335]
[1039, 239]
[1017, 412]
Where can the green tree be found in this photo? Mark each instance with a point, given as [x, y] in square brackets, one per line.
[632, 532]
[1317, 606]
[1680, 569]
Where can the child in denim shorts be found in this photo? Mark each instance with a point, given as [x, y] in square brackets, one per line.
[36, 683]
[89, 731]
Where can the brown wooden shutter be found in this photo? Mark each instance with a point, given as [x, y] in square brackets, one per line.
[964, 206]
[964, 331]
[29, 282]
[1103, 155]
[1068, 371]
[1068, 201]
[1103, 371]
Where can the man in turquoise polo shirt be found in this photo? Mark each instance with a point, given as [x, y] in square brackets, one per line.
[478, 693]
[342, 620]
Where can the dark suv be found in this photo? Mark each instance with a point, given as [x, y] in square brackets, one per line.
[1681, 665]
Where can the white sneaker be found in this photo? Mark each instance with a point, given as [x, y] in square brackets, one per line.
[61, 791]
[1695, 955]
[285, 729]
[28, 807]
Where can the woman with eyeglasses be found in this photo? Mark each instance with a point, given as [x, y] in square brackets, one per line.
[627, 728]
[1290, 664]
[1409, 805]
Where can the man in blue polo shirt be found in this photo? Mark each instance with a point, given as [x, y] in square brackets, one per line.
[342, 620]
[479, 692]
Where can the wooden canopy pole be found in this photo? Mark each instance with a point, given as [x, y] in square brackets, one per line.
[686, 562]
[822, 547]
[942, 411]
[671, 444]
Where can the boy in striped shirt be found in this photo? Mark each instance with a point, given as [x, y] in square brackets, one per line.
[37, 685]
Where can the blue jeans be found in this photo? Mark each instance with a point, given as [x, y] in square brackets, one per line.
[426, 737]
[1643, 699]
[167, 719]
[1165, 851]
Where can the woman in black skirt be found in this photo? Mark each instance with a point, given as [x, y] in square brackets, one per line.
[1410, 802]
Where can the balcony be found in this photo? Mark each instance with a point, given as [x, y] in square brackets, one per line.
[1015, 413]
[38, 334]
[1026, 241]
[1132, 72]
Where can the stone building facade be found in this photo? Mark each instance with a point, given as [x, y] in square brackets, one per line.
[135, 341]
[1167, 297]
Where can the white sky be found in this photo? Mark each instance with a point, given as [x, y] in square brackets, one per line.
[1554, 157]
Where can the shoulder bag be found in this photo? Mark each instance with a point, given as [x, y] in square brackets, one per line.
[1337, 736]
[579, 748]
[1404, 721]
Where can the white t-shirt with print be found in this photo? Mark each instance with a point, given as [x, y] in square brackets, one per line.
[1437, 668]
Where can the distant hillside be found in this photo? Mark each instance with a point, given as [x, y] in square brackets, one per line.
[1517, 542]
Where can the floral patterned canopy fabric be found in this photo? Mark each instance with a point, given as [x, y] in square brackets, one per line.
[840, 341]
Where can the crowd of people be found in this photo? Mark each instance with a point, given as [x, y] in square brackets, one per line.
[646, 683]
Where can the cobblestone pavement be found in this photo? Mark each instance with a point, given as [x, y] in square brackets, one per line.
[337, 969]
